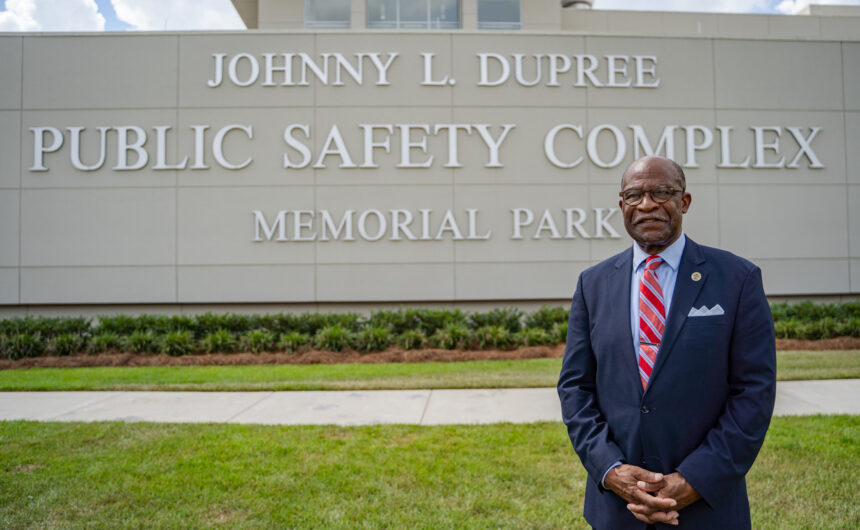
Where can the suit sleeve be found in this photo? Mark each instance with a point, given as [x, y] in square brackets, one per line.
[589, 433]
[716, 466]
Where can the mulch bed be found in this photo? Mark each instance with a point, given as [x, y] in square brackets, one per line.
[391, 355]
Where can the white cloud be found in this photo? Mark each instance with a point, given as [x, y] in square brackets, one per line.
[155, 15]
[793, 6]
[51, 15]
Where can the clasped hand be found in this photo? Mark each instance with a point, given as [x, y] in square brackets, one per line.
[651, 497]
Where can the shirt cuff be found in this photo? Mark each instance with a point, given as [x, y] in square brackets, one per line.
[603, 480]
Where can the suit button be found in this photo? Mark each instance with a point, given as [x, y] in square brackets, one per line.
[644, 409]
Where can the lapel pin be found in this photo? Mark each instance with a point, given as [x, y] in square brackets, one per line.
[696, 276]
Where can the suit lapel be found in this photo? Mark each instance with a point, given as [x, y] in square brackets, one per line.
[618, 292]
[686, 291]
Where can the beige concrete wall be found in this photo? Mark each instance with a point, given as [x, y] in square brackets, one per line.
[247, 10]
[183, 239]
[842, 23]
[280, 14]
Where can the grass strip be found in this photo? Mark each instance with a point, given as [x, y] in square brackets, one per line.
[527, 373]
[144, 475]
[808, 365]
[471, 374]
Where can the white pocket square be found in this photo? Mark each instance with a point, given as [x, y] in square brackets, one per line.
[703, 311]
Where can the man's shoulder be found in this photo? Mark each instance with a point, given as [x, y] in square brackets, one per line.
[720, 257]
[716, 256]
[610, 264]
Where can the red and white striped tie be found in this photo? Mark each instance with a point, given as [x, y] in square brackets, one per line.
[652, 318]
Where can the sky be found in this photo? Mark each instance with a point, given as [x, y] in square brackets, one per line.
[157, 15]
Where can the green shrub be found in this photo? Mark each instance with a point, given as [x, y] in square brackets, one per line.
[177, 343]
[208, 323]
[141, 342]
[350, 321]
[121, 325]
[294, 341]
[496, 337]
[65, 344]
[219, 341]
[388, 319]
[12, 326]
[158, 324]
[432, 320]
[453, 336]
[374, 339]
[408, 319]
[80, 326]
[559, 332]
[310, 323]
[849, 327]
[283, 323]
[546, 317]
[124, 325]
[412, 339]
[9, 326]
[808, 311]
[509, 318]
[279, 323]
[851, 310]
[56, 326]
[182, 323]
[400, 321]
[103, 341]
[827, 328]
[257, 341]
[334, 338]
[47, 327]
[145, 333]
[802, 321]
[534, 337]
[786, 328]
[807, 330]
[23, 345]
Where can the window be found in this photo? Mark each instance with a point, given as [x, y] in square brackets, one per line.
[327, 13]
[500, 14]
[413, 14]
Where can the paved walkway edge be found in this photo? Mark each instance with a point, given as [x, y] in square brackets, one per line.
[419, 407]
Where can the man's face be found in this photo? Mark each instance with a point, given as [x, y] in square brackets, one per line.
[654, 226]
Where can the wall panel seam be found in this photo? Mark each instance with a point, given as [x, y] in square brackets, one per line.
[176, 174]
[847, 178]
[716, 171]
[20, 169]
[451, 110]
[793, 108]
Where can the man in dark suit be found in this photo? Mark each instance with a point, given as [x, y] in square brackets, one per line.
[669, 374]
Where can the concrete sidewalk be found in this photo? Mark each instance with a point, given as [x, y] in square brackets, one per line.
[422, 407]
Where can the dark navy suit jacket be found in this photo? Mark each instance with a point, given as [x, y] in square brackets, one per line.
[709, 400]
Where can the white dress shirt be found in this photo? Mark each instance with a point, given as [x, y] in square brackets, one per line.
[667, 273]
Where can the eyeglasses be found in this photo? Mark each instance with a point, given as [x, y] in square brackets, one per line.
[634, 196]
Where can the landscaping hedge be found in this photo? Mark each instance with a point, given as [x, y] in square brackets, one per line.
[407, 328]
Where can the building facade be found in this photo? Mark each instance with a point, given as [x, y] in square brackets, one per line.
[394, 152]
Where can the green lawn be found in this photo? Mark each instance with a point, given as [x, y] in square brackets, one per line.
[472, 374]
[141, 475]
